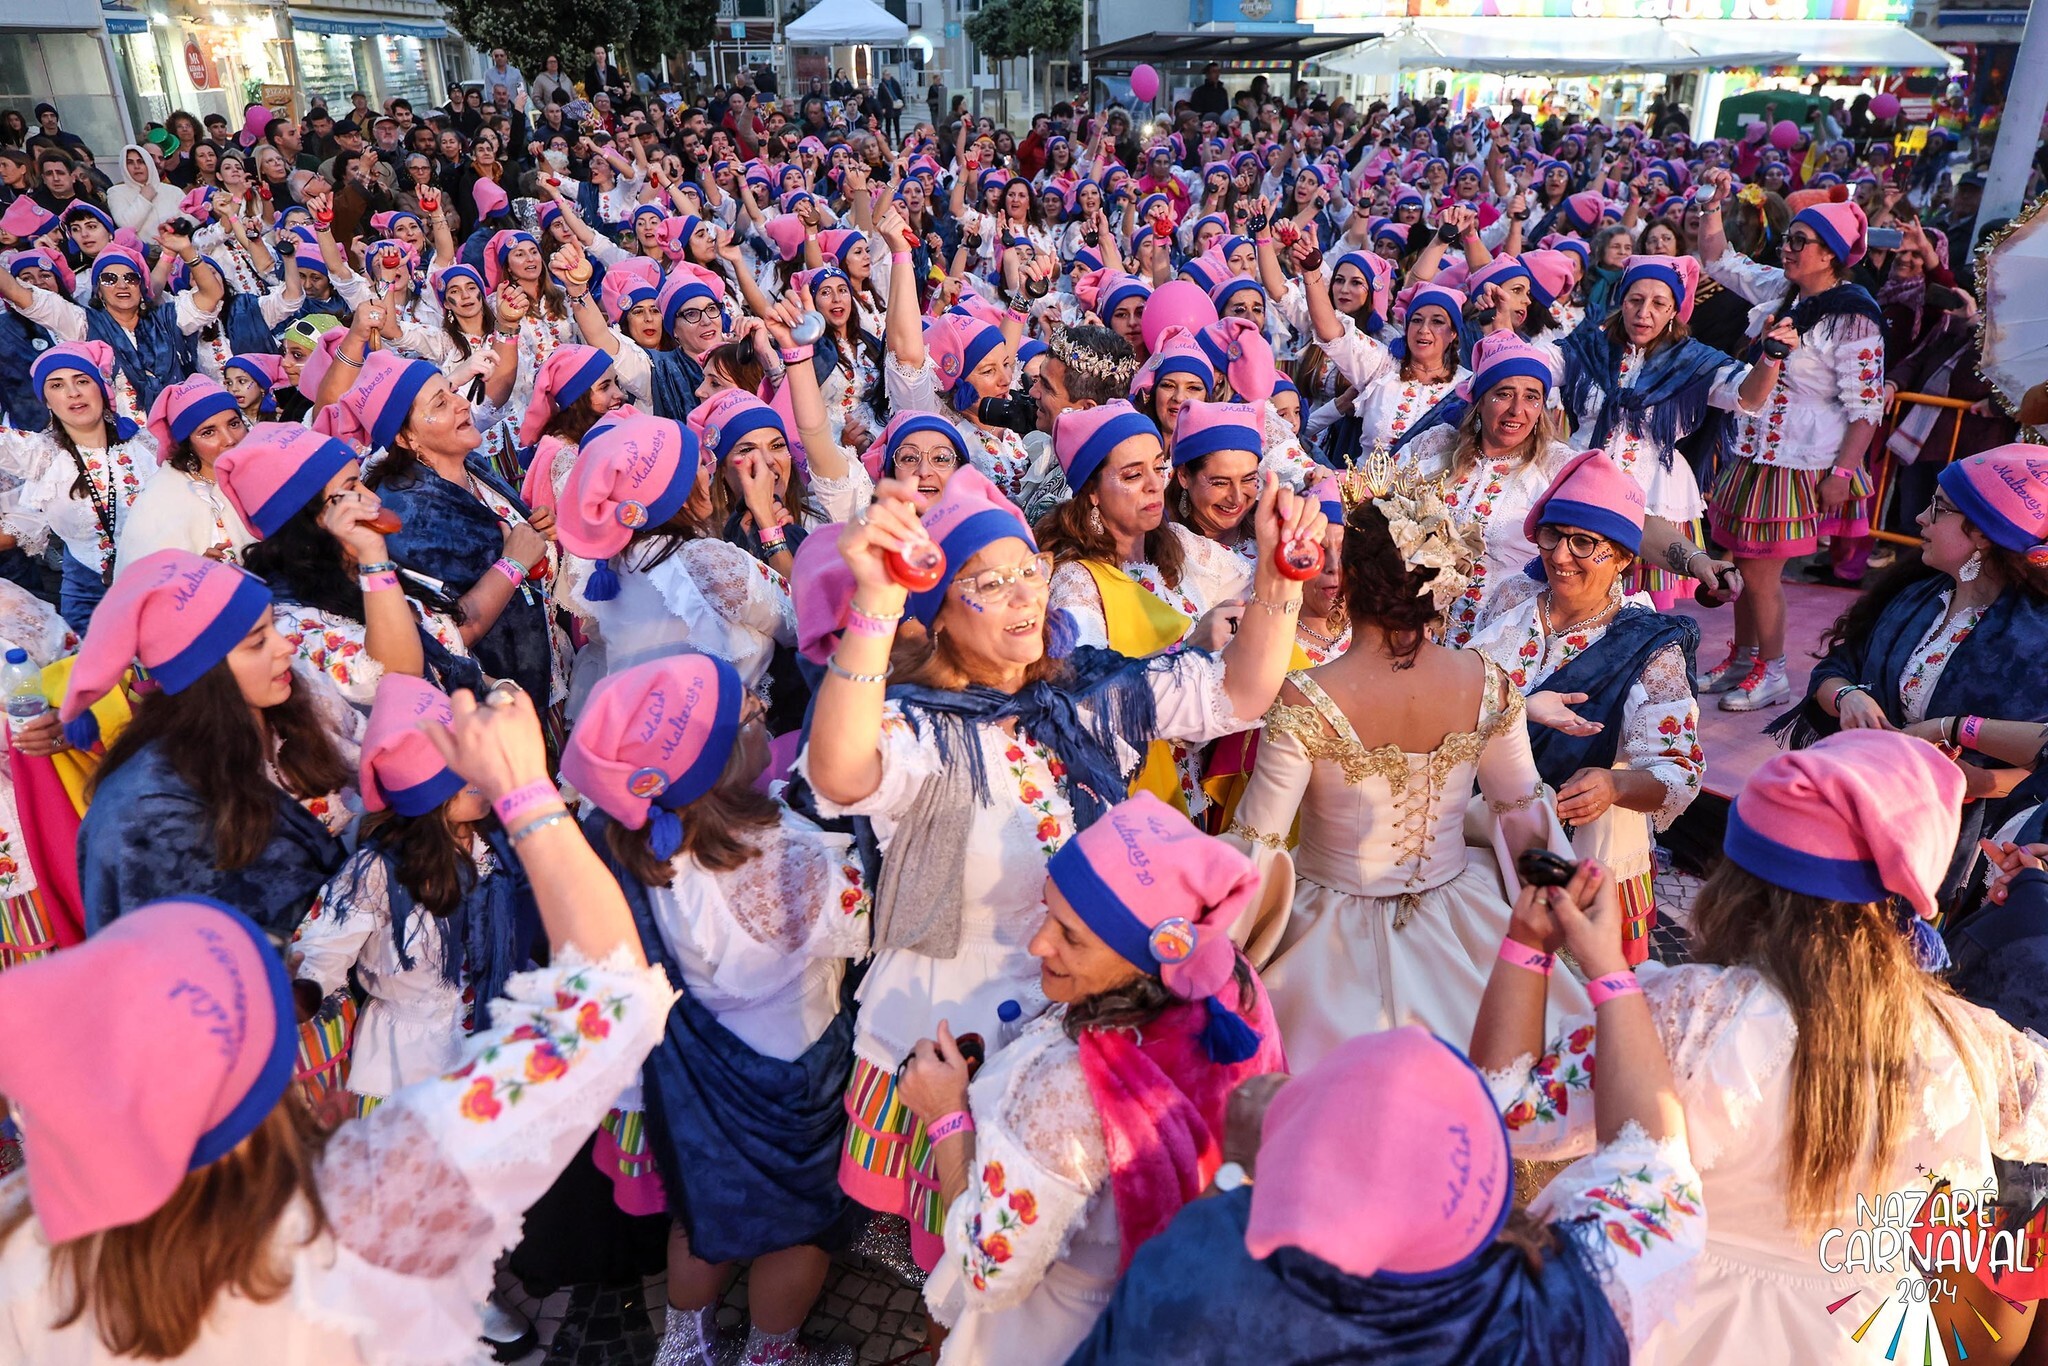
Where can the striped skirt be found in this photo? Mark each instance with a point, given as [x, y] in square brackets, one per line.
[1638, 897]
[1772, 512]
[887, 1162]
[25, 929]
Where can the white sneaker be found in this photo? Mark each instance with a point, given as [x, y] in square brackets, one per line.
[1727, 674]
[1759, 689]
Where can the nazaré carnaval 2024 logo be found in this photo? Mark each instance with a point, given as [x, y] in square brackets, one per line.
[1965, 1271]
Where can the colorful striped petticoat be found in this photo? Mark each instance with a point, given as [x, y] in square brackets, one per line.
[622, 1154]
[25, 929]
[1772, 512]
[322, 1071]
[1638, 914]
[887, 1161]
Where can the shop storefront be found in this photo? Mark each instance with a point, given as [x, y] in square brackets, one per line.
[201, 56]
[56, 50]
[386, 51]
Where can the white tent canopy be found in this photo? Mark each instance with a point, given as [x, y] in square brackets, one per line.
[838, 23]
[1506, 46]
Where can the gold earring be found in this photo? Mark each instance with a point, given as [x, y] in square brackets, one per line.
[1095, 520]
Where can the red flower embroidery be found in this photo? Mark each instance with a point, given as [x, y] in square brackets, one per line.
[1048, 828]
[545, 1064]
[478, 1103]
[1519, 1114]
[1581, 1039]
[992, 1177]
[591, 1023]
[1026, 1205]
[996, 1247]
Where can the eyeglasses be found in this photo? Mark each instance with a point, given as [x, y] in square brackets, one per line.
[942, 463]
[1800, 241]
[1581, 545]
[1939, 507]
[695, 317]
[992, 583]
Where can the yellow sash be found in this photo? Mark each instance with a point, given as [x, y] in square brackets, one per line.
[1140, 624]
[75, 767]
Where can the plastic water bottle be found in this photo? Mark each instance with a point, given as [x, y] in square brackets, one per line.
[23, 683]
[1009, 1023]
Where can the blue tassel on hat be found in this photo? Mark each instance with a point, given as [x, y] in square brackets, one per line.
[664, 832]
[604, 583]
[83, 731]
[1226, 1038]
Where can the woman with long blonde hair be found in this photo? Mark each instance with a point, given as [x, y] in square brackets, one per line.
[1826, 1073]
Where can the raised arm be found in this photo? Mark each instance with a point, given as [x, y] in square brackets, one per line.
[905, 325]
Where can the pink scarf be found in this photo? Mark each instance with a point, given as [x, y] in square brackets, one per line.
[1161, 1101]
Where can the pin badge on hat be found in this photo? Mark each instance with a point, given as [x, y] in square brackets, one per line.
[647, 782]
[711, 435]
[632, 515]
[1173, 940]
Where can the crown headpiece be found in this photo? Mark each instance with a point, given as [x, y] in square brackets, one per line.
[1424, 529]
[1116, 370]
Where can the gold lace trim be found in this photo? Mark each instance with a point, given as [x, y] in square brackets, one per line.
[1243, 831]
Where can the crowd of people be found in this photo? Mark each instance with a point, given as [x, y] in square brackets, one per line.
[599, 687]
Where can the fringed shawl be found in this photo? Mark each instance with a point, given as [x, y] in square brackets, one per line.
[1667, 402]
[159, 354]
[1605, 671]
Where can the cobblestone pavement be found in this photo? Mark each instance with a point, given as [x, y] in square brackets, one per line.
[866, 1311]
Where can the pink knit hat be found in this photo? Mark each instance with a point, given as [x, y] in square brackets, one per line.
[1397, 1123]
[654, 738]
[54, 262]
[1082, 438]
[785, 232]
[1241, 353]
[1499, 271]
[1842, 229]
[721, 420]
[1164, 896]
[91, 358]
[1857, 817]
[1176, 352]
[1102, 292]
[181, 407]
[1679, 274]
[1583, 211]
[401, 768]
[632, 281]
[1593, 494]
[1509, 359]
[969, 513]
[881, 452]
[373, 411]
[1177, 303]
[498, 251]
[567, 374]
[27, 219]
[628, 475]
[490, 199]
[275, 470]
[957, 344]
[1206, 428]
[188, 1048]
[978, 306]
[1552, 275]
[2004, 492]
[822, 584]
[175, 613]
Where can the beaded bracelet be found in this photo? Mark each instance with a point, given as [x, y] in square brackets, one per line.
[1845, 690]
[377, 583]
[945, 1126]
[513, 571]
[861, 624]
[520, 800]
[543, 823]
[1522, 956]
[850, 676]
[1966, 733]
[1601, 990]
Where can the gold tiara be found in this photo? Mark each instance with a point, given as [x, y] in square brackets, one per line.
[1423, 527]
[1116, 370]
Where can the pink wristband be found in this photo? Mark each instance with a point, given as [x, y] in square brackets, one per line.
[376, 583]
[511, 570]
[899, 256]
[1522, 956]
[1966, 733]
[945, 1126]
[522, 801]
[861, 624]
[1601, 990]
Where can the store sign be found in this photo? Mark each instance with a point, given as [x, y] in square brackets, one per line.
[1991, 18]
[199, 67]
[278, 97]
[1894, 11]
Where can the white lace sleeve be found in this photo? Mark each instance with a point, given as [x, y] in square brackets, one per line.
[1292, 307]
[354, 905]
[1547, 1103]
[1729, 1037]
[1073, 591]
[739, 588]
[908, 390]
[1217, 573]
[1726, 391]
[1429, 455]
[1660, 722]
[1190, 701]
[1635, 1211]
[908, 762]
[1359, 358]
[801, 899]
[841, 499]
[425, 1193]
[28, 623]
[1753, 280]
[2015, 1063]
[1038, 1159]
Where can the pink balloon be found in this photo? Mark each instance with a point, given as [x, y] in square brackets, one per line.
[1783, 134]
[1177, 303]
[1144, 81]
[1885, 106]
